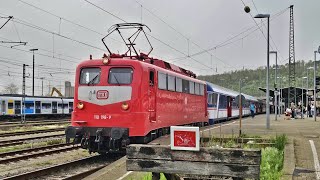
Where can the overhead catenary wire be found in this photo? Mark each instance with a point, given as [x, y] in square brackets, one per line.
[45, 50]
[102, 9]
[229, 40]
[274, 44]
[181, 34]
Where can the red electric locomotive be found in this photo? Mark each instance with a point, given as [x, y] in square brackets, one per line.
[122, 99]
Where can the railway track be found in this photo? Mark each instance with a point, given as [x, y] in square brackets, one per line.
[31, 132]
[35, 152]
[76, 169]
[14, 142]
[31, 121]
[8, 126]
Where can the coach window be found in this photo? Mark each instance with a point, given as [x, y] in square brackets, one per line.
[214, 99]
[210, 99]
[162, 81]
[178, 84]
[191, 87]
[197, 89]
[201, 89]
[120, 76]
[185, 86]
[90, 76]
[222, 102]
[171, 83]
[10, 105]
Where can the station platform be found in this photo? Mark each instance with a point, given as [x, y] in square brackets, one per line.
[301, 158]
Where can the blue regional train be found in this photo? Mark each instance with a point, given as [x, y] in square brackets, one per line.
[11, 105]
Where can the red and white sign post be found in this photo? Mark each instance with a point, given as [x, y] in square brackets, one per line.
[185, 138]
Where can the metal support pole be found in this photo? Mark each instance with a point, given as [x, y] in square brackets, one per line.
[307, 102]
[240, 108]
[315, 85]
[23, 115]
[280, 98]
[33, 70]
[302, 115]
[275, 87]
[33, 74]
[268, 89]
[42, 85]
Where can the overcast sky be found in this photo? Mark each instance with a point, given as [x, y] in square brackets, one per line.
[205, 24]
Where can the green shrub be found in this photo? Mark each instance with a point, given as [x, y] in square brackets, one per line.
[271, 164]
[279, 142]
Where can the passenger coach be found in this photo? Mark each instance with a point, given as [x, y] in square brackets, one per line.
[222, 105]
[11, 106]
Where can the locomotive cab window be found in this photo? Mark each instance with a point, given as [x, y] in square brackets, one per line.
[151, 78]
[90, 76]
[120, 76]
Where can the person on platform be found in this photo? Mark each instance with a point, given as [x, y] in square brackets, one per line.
[309, 110]
[293, 110]
[312, 110]
[252, 109]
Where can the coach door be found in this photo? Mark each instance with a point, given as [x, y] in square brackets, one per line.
[17, 107]
[229, 109]
[70, 107]
[38, 107]
[3, 107]
[152, 96]
[54, 107]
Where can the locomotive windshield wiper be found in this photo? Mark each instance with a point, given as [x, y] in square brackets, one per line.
[93, 79]
[116, 79]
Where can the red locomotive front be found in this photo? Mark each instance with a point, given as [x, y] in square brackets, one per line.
[123, 99]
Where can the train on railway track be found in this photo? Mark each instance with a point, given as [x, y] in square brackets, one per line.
[123, 99]
[11, 106]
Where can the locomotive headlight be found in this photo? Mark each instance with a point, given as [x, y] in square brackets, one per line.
[80, 105]
[105, 61]
[125, 106]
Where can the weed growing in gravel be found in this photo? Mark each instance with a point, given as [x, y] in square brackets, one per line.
[279, 141]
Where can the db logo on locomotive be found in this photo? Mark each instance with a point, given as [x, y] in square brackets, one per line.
[102, 94]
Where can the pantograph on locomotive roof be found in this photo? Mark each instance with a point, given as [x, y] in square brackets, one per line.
[129, 42]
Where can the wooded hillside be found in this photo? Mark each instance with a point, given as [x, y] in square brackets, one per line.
[253, 79]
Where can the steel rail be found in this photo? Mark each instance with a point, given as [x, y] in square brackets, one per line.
[31, 132]
[22, 140]
[55, 168]
[33, 152]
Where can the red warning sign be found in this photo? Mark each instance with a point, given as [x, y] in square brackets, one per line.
[185, 138]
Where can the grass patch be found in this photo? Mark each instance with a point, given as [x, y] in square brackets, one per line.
[31, 145]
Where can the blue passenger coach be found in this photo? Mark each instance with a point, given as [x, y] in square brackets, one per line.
[222, 105]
